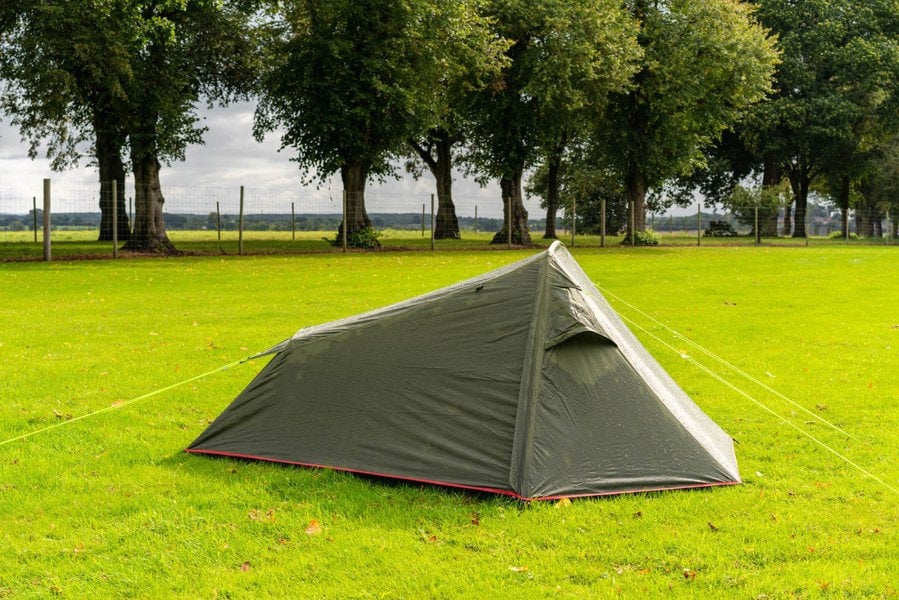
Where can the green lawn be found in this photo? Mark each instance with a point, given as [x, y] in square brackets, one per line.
[81, 243]
[110, 506]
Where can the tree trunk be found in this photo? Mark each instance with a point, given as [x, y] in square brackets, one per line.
[149, 222]
[771, 177]
[112, 168]
[635, 188]
[511, 194]
[799, 182]
[554, 166]
[446, 226]
[354, 176]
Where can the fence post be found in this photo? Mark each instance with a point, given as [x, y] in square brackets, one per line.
[47, 256]
[475, 219]
[293, 222]
[115, 218]
[699, 223]
[602, 223]
[432, 222]
[34, 216]
[758, 234]
[218, 222]
[240, 225]
[422, 219]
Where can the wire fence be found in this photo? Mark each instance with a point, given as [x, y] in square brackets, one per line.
[264, 220]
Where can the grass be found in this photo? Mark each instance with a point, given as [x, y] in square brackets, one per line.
[69, 244]
[110, 506]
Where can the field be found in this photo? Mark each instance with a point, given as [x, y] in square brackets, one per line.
[81, 243]
[110, 506]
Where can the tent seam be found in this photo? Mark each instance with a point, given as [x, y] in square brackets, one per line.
[531, 370]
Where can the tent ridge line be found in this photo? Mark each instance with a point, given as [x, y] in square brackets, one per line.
[522, 449]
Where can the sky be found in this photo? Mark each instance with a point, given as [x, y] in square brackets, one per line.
[230, 157]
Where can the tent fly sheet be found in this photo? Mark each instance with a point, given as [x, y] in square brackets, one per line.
[522, 381]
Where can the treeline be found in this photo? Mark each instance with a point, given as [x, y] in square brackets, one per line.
[255, 222]
[639, 104]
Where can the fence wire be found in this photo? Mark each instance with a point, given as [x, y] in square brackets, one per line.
[210, 219]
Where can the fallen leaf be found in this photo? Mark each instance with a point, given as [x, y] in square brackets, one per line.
[638, 514]
[518, 569]
[712, 527]
[245, 566]
[313, 528]
[256, 515]
[563, 503]
[689, 574]
[475, 518]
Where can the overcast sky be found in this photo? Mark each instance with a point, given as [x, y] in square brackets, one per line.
[230, 158]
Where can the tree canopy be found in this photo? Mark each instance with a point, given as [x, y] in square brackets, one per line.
[350, 82]
[704, 64]
[117, 76]
[565, 57]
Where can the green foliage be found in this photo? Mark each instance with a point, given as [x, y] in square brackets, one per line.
[841, 235]
[350, 82]
[834, 102]
[80, 69]
[767, 201]
[565, 57]
[366, 238]
[109, 506]
[583, 186]
[704, 64]
[647, 237]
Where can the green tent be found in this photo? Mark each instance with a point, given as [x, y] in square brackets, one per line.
[522, 381]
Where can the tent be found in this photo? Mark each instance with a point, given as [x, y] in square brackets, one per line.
[522, 381]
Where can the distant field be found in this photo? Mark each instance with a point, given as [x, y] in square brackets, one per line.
[110, 506]
[81, 243]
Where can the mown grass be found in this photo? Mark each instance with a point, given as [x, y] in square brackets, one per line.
[71, 244]
[110, 506]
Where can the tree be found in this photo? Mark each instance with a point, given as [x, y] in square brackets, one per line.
[704, 64]
[472, 56]
[64, 65]
[835, 97]
[350, 82]
[566, 57]
[582, 188]
[125, 74]
[185, 51]
[880, 189]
